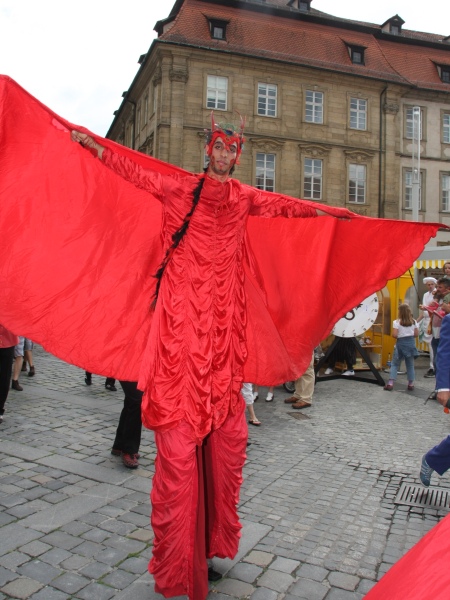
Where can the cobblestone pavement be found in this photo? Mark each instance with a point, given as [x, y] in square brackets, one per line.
[317, 503]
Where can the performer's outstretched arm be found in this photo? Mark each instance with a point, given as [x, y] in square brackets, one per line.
[146, 179]
[270, 204]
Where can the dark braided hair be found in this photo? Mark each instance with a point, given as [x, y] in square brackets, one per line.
[176, 239]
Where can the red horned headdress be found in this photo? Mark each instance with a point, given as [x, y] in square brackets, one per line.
[228, 132]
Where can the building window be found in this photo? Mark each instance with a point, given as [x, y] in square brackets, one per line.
[218, 29]
[444, 73]
[312, 179]
[130, 135]
[446, 128]
[145, 108]
[445, 192]
[314, 107]
[267, 100]
[303, 5]
[155, 98]
[216, 93]
[357, 183]
[395, 29]
[356, 54]
[409, 191]
[138, 117]
[265, 171]
[358, 113]
[409, 123]
[357, 57]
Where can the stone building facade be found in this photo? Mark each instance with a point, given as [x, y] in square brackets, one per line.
[328, 102]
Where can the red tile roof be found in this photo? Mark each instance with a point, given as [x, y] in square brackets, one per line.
[295, 38]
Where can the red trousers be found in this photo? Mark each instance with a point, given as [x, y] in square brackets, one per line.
[194, 504]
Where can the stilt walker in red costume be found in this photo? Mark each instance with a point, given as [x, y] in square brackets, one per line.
[80, 243]
[196, 352]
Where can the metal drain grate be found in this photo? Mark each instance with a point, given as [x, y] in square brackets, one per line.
[416, 495]
[299, 416]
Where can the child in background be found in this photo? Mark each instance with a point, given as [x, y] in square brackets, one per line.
[247, 394]
[404, 330]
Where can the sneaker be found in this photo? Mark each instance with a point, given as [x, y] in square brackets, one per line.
[430, 373]
[130, 461]
[269, 397]
[329, 371]
[348, 373]
[425, 472]
[111, 387]
[15, 385]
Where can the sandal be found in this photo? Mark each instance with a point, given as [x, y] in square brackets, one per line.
[255, 422]
[388, 387]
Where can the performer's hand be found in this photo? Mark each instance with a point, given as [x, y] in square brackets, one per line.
[442, 397]
[87, 142]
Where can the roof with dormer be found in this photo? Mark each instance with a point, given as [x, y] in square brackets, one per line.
[277, 30]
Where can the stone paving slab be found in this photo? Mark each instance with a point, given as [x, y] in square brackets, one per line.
[73, 508]
[317, 503]
[80, 467]
[23, 451]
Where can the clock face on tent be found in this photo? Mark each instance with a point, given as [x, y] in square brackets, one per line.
[358, 320]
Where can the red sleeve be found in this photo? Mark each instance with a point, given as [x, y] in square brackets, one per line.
[266, 204]
[270, 204]
[145, 179]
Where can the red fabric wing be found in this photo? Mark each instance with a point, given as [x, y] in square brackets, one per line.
[79, 247]
[423, 573]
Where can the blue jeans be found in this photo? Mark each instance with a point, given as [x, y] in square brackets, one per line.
[407, 355]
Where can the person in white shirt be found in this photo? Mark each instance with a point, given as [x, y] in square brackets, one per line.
[405, 331]
[424, 321]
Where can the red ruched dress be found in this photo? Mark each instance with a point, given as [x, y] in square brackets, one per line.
[192, 369]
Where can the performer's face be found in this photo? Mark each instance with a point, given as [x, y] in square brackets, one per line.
[222, 157]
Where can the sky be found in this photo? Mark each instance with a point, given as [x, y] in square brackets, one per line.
[78, 56]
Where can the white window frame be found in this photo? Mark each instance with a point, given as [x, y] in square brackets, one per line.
[267, 99]
[312, 178]
[357, 183]
[314, 102]
[445, 192]
[407, 194]
[265, 171]
[358, 114]
[446, 128]
[409, 123]
[216, 92]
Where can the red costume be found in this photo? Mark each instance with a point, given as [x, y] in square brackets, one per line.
[422, 573]
[76, 276]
